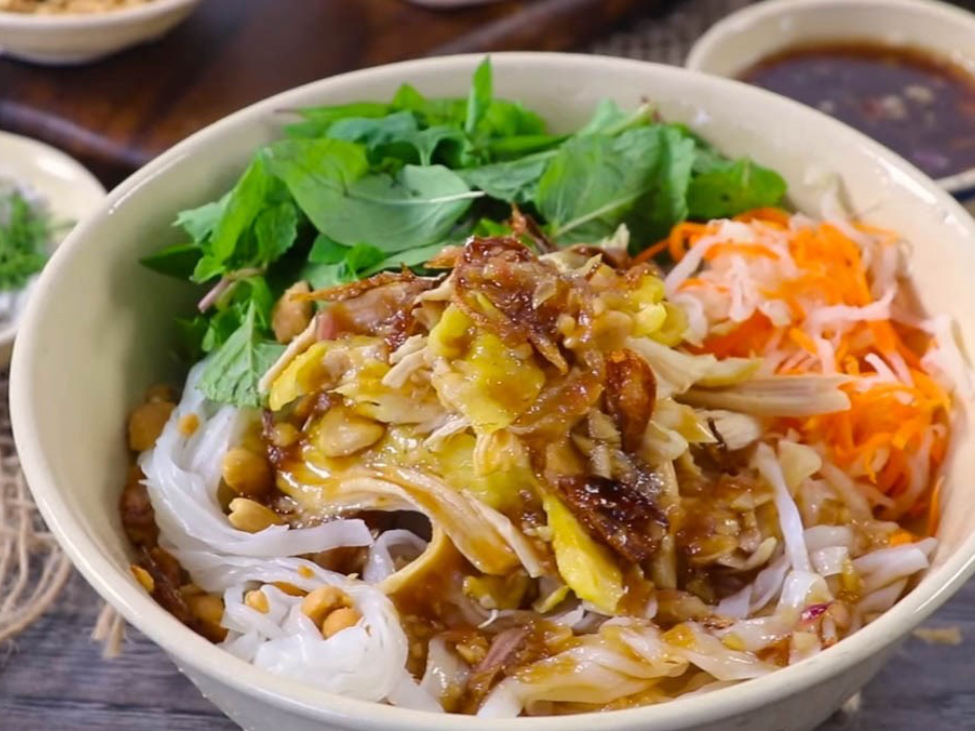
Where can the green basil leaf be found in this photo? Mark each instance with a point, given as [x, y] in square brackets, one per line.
[235, 369]
[361, 258]
[515, 181]
[596, 183]
[199, 223]
[275, 229]
[326, 251]
[418, 206]
[732, 188]
[177, 261]
[482, 91]
[319, 120]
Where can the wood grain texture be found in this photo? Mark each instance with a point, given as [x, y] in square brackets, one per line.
[53, 679]
[117, 114]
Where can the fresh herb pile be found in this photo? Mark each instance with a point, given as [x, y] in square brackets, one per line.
[25, 233]
[357, 188]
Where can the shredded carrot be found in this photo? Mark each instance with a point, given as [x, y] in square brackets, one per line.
[802, 340]
[745, 340]
[887, 421]
[901, 538]
[683, 235]
[934, 510]
[650, 252]
[776, 216]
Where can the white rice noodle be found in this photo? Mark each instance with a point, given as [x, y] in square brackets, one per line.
[183, 475]
[754, 635]
[712, 656]
[888, 565]
[381, 564]
[600, 670]
[789, 519]
[407, 693]
[802, 589]
[446, 673]
[880, 601]
[831, 560]
[754, 597]
[826, 536]
[366, 661]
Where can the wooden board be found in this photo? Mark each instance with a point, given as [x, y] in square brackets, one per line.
[116, 114]
[54, 679]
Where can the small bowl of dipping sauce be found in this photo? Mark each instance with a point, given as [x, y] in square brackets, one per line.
[900, 71]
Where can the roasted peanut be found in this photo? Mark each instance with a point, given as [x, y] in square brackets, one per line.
[289, 589]
[250, 516]
[188, 424]
[323, 600]
[146, 424]
[342, 432]
[207, 607]
[257, 600]
[284, 435]
[160, 392]
[247, 473]
[339, 620]
[144, 578]
[291, 316]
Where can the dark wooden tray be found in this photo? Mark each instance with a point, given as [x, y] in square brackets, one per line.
[116, 114]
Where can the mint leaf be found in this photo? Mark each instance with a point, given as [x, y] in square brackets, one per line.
[327, 178]
[326, 251]
[730, 188]
[177, 261]
[199, 223]
[362, 257]
[595, 183]
[319, 120]
[479, 99]
[232, 375]
[275, 229]
[515, 181]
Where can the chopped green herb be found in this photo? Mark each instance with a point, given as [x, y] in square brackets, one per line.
[357, 188]
[25, 234]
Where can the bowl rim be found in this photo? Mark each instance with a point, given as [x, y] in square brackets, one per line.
[84, 177]
[191, 650]
[704, 47]
[85, 21]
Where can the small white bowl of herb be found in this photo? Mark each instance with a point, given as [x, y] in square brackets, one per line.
[43, 192]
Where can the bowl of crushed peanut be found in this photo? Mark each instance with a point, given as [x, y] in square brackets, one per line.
[65, 32]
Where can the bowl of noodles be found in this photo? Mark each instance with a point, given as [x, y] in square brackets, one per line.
[532, 387]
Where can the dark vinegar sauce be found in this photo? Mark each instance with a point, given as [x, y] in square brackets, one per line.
[911, 101]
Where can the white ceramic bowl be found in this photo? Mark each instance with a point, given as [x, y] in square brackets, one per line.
[100, 328]
[79, 38]
[743, 38]
[69, 192]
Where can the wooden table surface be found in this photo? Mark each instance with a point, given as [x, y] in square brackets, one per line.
[117, 114]
[53, 679]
